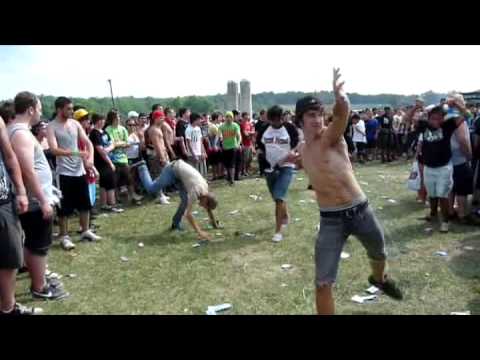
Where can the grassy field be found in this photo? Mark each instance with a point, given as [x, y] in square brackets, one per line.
[168, 276]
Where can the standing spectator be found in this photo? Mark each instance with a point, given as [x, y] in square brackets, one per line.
[278, 141]
[37, 222]
[348, 135]
[83, 117]
[39, 130]
[396, 122]
[248, 132]
[371, 128]
[168, 129]
[157, 155]
[63, 135]
[231, 138]
[239, 158]
[103, 145]
[119, 136]
[359, 138]
[259, 125]
[386, 136]
[11, 257]
[7, 112]
[462, 175]
[194, 142]
[136, 142]
[214, 147]
[434, 145]
[180, 129]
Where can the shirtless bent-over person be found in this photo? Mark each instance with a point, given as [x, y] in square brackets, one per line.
[344, 208]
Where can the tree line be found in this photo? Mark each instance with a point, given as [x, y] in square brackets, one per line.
[208, 104]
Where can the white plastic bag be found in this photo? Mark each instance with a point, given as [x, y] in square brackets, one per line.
[414, 182]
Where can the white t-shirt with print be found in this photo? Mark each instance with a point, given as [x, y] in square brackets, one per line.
[194, 134]
[277, 146]
[358, 129]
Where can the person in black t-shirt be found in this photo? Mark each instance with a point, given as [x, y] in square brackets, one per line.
[434, 146]
[386, 140]
[182, 124]
[260, 125]
[102, 145]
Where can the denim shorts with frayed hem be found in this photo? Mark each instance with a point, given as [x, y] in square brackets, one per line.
[333, 235]
[278, 182]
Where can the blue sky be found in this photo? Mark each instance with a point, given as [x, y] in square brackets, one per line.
[168, 71]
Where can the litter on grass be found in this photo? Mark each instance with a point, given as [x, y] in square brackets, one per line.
[286, 266]
[363, 182]
[302, 201]
[141, 245]
[71, 276]
[392, 201]
[283, 285]
[428, 230]
[461, 313]
[344, 255]
[124, 258]
[250, 235]
[384, 197]
[194, 212]
[218, 234]
[296, 219]
[441, 253]
[380, 208]
[234, 212]
[372, 290]
[469, 248]
[300, 179]
[215, 309]
[364, 299]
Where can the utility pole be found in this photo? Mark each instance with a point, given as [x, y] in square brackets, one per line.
[111, 93]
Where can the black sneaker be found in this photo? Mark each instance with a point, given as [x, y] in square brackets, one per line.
[50, 292]
[22, 270]
[388, 287]
[19, 309]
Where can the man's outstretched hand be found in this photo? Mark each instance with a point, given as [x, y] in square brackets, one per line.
[338, 87]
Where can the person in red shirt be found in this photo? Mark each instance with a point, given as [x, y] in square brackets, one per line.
[248, 132]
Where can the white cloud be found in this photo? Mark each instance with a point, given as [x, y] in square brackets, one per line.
[168, 71]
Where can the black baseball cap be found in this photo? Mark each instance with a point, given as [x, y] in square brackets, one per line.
[307, 103]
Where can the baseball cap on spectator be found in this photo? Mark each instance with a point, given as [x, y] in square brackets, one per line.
[132, 114]
[157, 114]
[80, 114]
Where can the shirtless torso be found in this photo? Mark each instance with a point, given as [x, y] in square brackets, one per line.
[324, 155]
[330, 171]
[156, 143]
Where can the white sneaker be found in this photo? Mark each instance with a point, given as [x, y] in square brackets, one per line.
[89, 235]
[137, 197]
[277, 237]
[117, 210]
[163, 200]
[67, 243]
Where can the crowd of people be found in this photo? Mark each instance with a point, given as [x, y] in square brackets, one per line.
[51, 169]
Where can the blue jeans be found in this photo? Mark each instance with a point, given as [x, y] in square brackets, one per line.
[167, 178]
[278, 182]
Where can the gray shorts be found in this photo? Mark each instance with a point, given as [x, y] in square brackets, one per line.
[11, 246]
[334, 231]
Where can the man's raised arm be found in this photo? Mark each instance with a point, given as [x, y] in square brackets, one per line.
[341, 110]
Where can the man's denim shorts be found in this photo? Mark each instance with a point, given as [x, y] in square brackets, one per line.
[438, 181]
[278, 182]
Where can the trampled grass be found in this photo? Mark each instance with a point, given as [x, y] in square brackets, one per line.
[168, 276]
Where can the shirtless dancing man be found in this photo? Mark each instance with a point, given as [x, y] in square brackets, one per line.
[344, 208]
